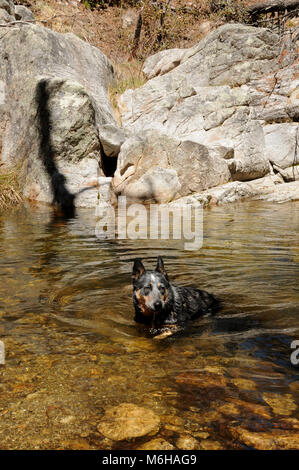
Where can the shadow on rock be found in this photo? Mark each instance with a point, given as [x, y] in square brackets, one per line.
[61, 195]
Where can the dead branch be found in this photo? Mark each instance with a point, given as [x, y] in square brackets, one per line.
[137, 35]
[273, 6]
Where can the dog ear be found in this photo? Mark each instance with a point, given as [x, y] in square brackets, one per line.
[160, 267]
[138, 269]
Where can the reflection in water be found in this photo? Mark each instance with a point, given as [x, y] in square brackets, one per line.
[66, 317]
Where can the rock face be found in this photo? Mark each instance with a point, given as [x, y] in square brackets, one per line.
[270, 188]
[282, 144]
[224, 94]
[23, 13]
[153, 166]
[8, 7]
[163, 62]
[215, 123]
[128, 421]
[53, 105]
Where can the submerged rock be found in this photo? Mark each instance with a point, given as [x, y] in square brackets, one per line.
[249, 407]
[173, 420]
[294, 386]
[187, 443]
[229, 409]
[275, 440]
[210, 445]
[201, 434]
[288, 423]
[156, 444]
[202, 380]
[244, 384]
[280, 404]
[128, 421]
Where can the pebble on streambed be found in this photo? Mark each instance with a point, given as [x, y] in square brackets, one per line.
[281, 404]
[128, 421]
[156, 444]
[278, 439]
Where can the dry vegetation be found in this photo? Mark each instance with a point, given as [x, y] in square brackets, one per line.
[111, 26]
[9, 189]
[109, 29]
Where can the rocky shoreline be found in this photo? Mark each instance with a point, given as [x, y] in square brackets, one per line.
[215, 123]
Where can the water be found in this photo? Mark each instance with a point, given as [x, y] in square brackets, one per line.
[73, 349]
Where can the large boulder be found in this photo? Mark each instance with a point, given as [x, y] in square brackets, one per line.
[232, 54]
[222, 94]
[53, 105]
[282, 144]
[157, 167]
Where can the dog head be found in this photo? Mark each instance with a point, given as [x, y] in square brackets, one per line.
[152, 290]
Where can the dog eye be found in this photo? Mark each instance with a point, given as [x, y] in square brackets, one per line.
[146, 290]
[162, 289]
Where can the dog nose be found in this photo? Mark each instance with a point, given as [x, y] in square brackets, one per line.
[158, 305]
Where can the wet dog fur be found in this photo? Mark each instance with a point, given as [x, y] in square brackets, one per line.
[160, 304]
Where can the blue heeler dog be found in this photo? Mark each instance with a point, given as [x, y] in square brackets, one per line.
[161, 305]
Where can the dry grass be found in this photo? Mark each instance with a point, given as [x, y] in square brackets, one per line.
[104, 28]
[99, 28]
[128, 75]
[9, 189]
